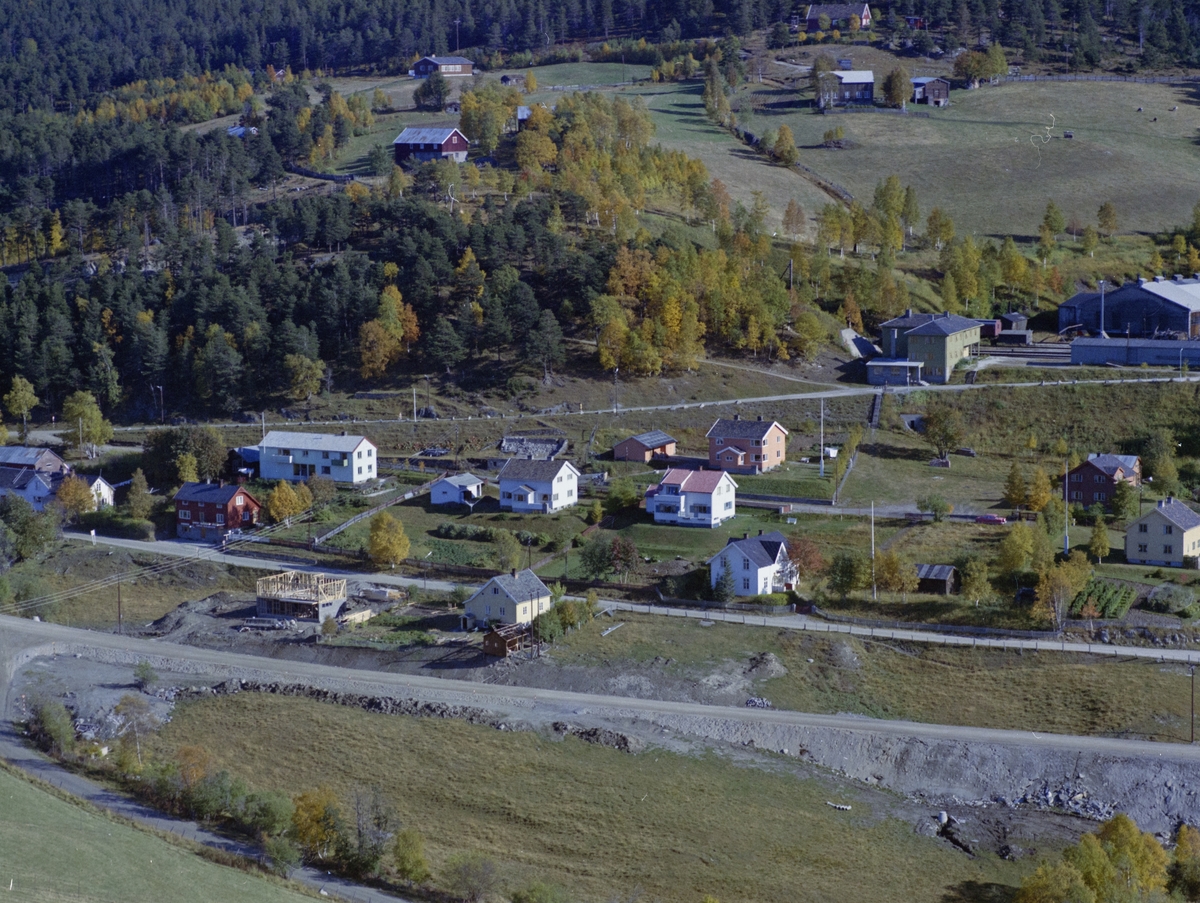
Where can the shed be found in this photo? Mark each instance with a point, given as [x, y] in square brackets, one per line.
[940, 579]
[505, 639]
[931, 90]
[1014, 320]
[644, 446]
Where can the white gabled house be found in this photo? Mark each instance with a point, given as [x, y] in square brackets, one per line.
[540, 487]
[36, 487]
[692, 498]
[759, 564]
[513, 598]
[297, 456]
[456, 490]
[102, 490]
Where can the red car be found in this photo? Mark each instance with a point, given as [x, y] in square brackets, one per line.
[991, 519]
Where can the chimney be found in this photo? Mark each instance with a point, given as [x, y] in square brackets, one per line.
[908, 313]
[1159, 278]
[1179, 277]
[737, 416]
[1141, 280]
[513, 573]
[760, 418]
[760, 532]
[745, 536]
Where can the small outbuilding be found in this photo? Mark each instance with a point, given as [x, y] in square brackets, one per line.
[504, 640]
[939, 579]
[1013, 321]
[460, 489]
[644, 446]
[931, 90]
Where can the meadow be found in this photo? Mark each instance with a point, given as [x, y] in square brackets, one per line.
[593, 820]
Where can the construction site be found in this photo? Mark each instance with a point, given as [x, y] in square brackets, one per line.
[300, 596]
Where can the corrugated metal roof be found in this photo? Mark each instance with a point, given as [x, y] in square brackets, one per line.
[312, 441]
[935, 571]
[426, 135]
[856, 77]
[448, 60]
[652, 439]
[926, 79]
[462, 480]
[23, 456]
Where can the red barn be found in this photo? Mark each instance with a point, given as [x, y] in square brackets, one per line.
[208, 511]
[425, 144]
[448, 66]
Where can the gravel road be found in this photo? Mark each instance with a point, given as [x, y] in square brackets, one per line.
[1150, 781]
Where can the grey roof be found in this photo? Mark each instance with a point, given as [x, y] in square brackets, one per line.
[856, 77]
[652, 439]
[311, 441]
[249, 454]
[527, 471]
[935, 571]
[741, 429]
[1014, 318]
[1163, 344]
[426, 135]
[92, 479]
[762, 550]
[835, 10]
[1177, 513]
[523, 112]
[1183, 293]
[17, 480]
[926, 79]
[945, 324]
[214, 493]
[462, 480]
[907, 320]
[1110, 463]
[23, 456]
[524, 586]
[447, 60]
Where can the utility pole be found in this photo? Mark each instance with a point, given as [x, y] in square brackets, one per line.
[874, 587]
[457, 22]
[1103, 334]
[822, 449]
[120, 620]
[414, 404]
[1192, 671]
[1067, 515]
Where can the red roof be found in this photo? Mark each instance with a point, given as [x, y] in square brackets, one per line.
[693, 480]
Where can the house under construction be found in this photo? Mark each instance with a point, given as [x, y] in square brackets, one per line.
[300, 595]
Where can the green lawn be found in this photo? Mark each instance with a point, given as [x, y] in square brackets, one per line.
[55, 852]
[591, 819]
[894, 469]
[977, 161]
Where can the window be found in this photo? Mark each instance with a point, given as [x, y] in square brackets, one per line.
[1076, 495]
[325, 469]
[755, 443]
[558, 479]
[1076, 478]
[285, 452]
[746, 583]
[508, 495]
[1097, 479]
[185, 515]
[1142, 547]
[745, 564]
[502, 611]
[370, 467]
[570, 493]
[220, 518]
[1168, 530]
[325, 456]
[556, 496]
[360, 471]
[724, 561]
[304, 454]
[729, 506]
[487, 609]
[360, 456]
[1168, 550]
[369, 452]
[778, 454]
[1101, 496]
[240, 500]
[758, 457]
[701, 509]
[1143, 528]
[495, 592]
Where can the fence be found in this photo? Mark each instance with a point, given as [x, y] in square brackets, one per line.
[824, 184]
[1141, 79]
[323, 176]
[749, 607]
[934, 628]
[371, 512]
[838, 111]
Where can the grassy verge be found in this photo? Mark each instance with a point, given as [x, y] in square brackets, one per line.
[975, 687]
[52, 850]
[591, 819]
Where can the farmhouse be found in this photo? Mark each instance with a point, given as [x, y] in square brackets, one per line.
[42, 460]
[838, 14]
[931, 90]
[456, 490]
[300, 595]
[692, 498]
[448, 66]
[1165, 536]
[513, 598]
[208, 511]
[939, 579]
[758, 564]
[538, 486]
[644, 446]
[746, 446]
[1141, 308]
[36, 487]
[1095, 480]
[298, 456]
[855, 86]
[430, 143]
[102, 490]
[941, 343]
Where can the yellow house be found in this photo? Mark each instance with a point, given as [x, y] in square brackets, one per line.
[513, 598]
[941, 343]
[1164, 536]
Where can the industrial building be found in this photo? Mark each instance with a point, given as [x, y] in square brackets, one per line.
[1148, 307]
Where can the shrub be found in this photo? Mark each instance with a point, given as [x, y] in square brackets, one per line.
[283, 854]
[1170, 598]
[269, 813]
[110, 522]
[52, 727]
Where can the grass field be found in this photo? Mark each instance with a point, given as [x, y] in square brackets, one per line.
[977, 161]
[980, 688]
[54, 852]
[590, 819]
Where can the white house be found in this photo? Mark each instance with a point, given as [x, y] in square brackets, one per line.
[298, 456]
[759, 564]
[36, 487]
[538, 486]
[456, 490]
[102, 491]
[692, 498]
[512, 598]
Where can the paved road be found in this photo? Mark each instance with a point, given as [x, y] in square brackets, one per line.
[789, 622]
[541, 704]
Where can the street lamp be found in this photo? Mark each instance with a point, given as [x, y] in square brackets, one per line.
[426, 560]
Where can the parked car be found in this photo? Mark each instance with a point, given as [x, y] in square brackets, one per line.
[991, 519]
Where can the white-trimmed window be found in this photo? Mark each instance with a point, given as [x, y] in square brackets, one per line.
[184, 514]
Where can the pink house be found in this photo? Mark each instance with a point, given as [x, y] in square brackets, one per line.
[746, 446]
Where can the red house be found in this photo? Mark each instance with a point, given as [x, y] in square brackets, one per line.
[425, 144]
[746, 446]
[206, 512]
[1095, 480]
[838, 15]
[448, 66]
